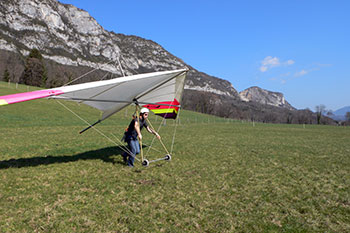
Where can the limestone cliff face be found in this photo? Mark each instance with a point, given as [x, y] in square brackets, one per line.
[259, 95]
[73, 43]
[69, 36]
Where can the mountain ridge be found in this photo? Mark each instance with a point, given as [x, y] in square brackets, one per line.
[342, 111]
[72, 43]
[72, 37]
[340, 114]
[264, 96]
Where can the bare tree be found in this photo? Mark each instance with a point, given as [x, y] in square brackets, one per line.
[330, 113]
[347, 116]
[320, 110]
[6, 76]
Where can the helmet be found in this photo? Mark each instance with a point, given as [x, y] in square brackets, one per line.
[144, 110]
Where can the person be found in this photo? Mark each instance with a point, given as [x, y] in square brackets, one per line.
[133, 133]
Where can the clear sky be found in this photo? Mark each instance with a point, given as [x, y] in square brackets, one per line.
[298, 47]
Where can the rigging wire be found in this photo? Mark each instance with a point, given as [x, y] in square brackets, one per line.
[97, 130]
[126, 63]
[91, 71]
[121, 68]
[163, 120]
[143, 144]
[120, 145]
[123, 147]
[176, 124]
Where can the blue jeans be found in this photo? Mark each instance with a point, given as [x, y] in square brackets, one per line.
[134, 147]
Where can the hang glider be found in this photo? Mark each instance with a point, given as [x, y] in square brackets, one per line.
[168, 109]
[160, 91]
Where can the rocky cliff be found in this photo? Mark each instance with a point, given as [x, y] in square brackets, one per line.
[72, 43]
[69, 36]
[259, 95]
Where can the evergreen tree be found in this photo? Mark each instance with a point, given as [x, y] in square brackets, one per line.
[35, 53]
[6, 76]
[34, 73]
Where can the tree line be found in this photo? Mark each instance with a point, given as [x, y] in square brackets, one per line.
[232, 107]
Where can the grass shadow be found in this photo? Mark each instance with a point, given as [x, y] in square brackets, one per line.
[103, 154]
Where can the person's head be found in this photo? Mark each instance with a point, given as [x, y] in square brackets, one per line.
[144, 112]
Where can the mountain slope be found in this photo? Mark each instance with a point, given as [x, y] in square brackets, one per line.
[340, 114]
[342, 111]
[259, 95]
[73, 43]
[71, 37]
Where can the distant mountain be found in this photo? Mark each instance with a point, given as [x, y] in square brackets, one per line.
[342, 111]
[339, 114]
[262, 96]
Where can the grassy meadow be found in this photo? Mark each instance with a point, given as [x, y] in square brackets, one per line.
[224, 176]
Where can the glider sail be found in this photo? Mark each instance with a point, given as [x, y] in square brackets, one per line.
[165, 109]
[20, 97]
[162, 91]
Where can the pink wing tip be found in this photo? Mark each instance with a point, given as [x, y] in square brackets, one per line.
[20, 97]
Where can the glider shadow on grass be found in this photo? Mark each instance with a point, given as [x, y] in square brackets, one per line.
[104, 154]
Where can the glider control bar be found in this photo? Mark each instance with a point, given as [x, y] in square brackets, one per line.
[113, 101]
[90, 126]
[145, 162]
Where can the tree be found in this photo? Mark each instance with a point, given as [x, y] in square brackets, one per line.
[347, 116]
[330, 113]
[34, 72]
[35, 53]
[303, 117]
[289, 118]
[320, 109]
[6, 76]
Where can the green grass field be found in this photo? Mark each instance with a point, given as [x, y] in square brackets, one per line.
[224, 176]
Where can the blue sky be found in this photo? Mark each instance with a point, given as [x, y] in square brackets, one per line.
[298, 47]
